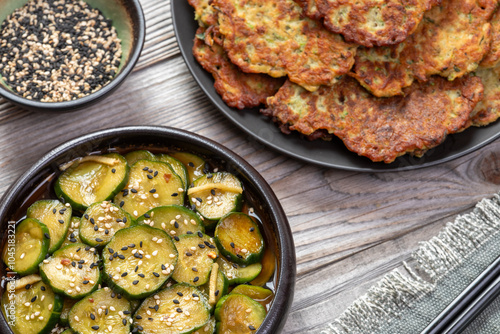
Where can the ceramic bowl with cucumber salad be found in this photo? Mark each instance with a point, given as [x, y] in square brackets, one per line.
[144, 230]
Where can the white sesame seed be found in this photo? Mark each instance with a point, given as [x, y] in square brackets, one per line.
[155, 253]
[22, 256]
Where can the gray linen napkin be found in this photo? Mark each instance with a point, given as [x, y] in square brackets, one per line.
[406, 302]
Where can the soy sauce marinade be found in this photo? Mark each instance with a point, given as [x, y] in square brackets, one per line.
[250, 206]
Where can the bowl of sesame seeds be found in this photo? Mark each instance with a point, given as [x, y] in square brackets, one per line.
[259, 201]
[64, 55]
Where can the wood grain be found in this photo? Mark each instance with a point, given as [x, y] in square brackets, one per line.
[349, 228]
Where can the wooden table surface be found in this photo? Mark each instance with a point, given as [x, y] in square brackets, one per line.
[349, 228]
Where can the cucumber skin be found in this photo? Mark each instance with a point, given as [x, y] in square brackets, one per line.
[253, 258]
[221, 302]
[46, 280]
[80, 207]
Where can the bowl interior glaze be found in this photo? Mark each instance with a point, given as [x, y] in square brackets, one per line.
[32, 183]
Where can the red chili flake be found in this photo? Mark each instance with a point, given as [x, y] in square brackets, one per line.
[167, 177]
[65, 262]
[91, 300]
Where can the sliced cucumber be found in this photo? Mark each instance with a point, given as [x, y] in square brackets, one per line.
[173, 219]
[197, 254]
[237, 274]
[72, 271]
[261, 295]
[216, 287]
[177, 166]
[56, 216]
[73, 234]
[215, 195]
[138, 260]
[151, 184]
[209, 328]
[134, 156]
[92, 179]
[237, 313]
[194, 164]
[238, 238]
[268, 266]
[101, 312]
[28, 248]
[101, 221]
[180, 309]
[68, 331]
[67, 305]
[33, 309]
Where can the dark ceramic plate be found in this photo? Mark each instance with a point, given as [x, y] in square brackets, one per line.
[30, 185]
[327, 154]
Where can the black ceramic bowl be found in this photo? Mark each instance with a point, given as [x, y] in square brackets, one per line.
[33, 183]
[128, 20]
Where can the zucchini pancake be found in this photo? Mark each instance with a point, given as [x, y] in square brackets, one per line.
[387, 77]
[369, 22]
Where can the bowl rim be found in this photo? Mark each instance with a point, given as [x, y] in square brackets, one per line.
[101, 93]
[286, 266]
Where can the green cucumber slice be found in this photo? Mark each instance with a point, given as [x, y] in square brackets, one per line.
[67, 305]
[31, 309]
[73, 234]
[173, 219]
[180, 309]
[177, 166]
[28, 248]
[209, 328]
[238, 237]
[261, 295]
[101, 312]
[216, 194]
[101, 221]
[197, 254]
[72, 271]
[237, 313]
[237, 274]
[138, 260]
[68, 331]
[194, 164]
[134, 156]
[151, 184]
[56, 216]
[94, 178]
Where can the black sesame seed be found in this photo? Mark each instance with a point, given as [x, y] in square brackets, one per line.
[138, 317]
[189, 232]
[121, 256]
[95, 327]
[136, 268]
[252, 328]
[145, 169]
[98, 239]
[252, 229]
[156, 274]
[54, 211]
[150, 176]
[188, 254]
[135, 282]
[176, 224]
[174, 194]
[92, 316]
[113, 171]
[92, 221]
[125, 220]
[127, 312]
[85, 282]
[176, 238]
[199, 199]
[212, 192]
[46, 235]
[152, 191]
[201, 245]
[33, 299]
[124, 274]
[42, 288]
[190, 164]
[124, 322]
[133, 191]
[155, 174]
[61, 221]
[232, 244]
[180, 293]
[86, 216]
[179, 310]
[124, 248]
[216, 293]
[200, 234]
[96, 228]
[194, 269]
[122, 203]
[196, 279]
[157, 307]
[80, 266]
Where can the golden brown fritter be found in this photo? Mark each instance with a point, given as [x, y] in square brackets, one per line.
[204, 13]
[492, 58]
[451, 41]
[379, 128]
[239, 90]
[488, 109]
[273, 37]
[370, 22]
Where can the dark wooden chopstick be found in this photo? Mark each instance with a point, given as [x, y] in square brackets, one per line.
[475, 298]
